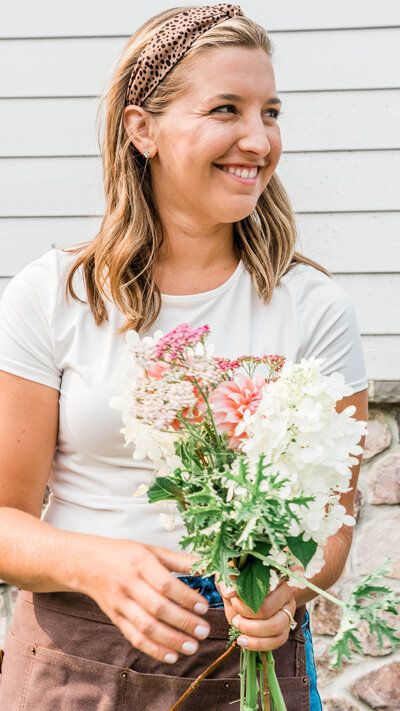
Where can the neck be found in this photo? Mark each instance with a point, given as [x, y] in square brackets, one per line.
[194, 257]
[191, 246]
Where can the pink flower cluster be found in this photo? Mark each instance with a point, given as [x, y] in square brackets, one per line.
[251, 363]
[173, 345]
[225, 364]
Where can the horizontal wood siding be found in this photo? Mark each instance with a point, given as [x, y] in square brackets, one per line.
[304, 61]
[98, 17]
[336, 67]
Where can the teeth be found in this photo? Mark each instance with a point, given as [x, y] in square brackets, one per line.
[241, 172]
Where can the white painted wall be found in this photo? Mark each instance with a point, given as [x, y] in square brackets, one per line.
[337, 71]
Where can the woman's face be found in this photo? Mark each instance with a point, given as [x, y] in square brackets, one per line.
[218, 143]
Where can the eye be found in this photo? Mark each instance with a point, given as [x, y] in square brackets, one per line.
[222, 109]
[275, 113]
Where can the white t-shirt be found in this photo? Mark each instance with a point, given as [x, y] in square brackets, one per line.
[51, 340]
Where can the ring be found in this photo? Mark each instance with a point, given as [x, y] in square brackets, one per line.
[292, 621]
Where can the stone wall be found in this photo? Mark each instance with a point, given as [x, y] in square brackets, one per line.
[372, 681]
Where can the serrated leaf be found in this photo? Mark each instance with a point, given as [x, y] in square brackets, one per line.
[252, 583]
[303, 550]
[164, 489]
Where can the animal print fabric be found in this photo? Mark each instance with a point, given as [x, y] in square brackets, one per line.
[170, 44]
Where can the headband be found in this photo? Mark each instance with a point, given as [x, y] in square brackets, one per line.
[169, 45]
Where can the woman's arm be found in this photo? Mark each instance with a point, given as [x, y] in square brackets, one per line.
[130, 581]
[338, 546]
[268, 629]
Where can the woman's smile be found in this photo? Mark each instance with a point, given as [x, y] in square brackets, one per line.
[243, 173]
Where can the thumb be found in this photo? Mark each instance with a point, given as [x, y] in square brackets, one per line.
[174, 561]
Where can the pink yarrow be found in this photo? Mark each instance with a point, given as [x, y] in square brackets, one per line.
[231, 399]
[173, 345]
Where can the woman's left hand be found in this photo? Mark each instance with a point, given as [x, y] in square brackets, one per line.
[266, 629]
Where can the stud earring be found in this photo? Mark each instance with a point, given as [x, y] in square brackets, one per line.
[146, 154]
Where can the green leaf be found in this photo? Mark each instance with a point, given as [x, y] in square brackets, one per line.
[303, 550]
[252, 583]
[164, 489]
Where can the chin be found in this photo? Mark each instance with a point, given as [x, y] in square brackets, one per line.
[237, 212]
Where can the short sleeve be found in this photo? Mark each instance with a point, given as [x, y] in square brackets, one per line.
[329, 328]
[27, 310]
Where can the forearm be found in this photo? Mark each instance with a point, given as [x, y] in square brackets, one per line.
[37, 557]
[335, 555]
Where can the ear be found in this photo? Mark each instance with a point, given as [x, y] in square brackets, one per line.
[137, 124]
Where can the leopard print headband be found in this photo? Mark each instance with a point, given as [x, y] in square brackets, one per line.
[170, 44]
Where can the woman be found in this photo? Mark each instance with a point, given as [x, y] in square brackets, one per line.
[197, 229]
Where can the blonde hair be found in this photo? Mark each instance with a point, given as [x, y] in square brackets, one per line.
[118, 263]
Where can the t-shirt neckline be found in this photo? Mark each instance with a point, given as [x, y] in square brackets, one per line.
[204, 295]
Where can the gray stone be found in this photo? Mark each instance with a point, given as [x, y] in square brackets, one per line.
[380, 537]
[338, 704]
[358, 505]
[384, 391]
[8, 596]
[325, 616]
[383, 480]
[369, 641]
[323, 661]
[378, 438]
[380, 689]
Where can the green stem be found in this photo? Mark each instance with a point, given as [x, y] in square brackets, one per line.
[205, 398]
[300, 578]
[191, 428]
[242, 675]
[251, 681]
[275, 689]
[242, 561]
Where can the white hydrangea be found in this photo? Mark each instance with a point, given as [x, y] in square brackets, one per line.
[298, 429]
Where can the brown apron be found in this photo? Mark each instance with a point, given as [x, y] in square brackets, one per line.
[62, 653]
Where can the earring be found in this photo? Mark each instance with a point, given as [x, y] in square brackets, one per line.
[146, 154]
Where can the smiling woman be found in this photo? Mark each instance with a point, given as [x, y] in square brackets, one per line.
[198, 229]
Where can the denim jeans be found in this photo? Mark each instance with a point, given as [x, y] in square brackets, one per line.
[206, 587]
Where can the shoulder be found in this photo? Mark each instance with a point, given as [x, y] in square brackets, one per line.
[315, 291]
[45, 276]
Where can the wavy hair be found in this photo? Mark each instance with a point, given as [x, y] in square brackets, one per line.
[118, 263]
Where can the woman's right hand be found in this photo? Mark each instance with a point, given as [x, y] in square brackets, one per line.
[132, 583]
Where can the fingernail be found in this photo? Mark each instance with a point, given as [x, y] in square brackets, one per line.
[189, 647]
[201, 632]
[226, 591]
[201, 608]
[236, 621]
[170, 658]
[242, 642]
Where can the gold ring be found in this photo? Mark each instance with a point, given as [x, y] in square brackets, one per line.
[292, 621]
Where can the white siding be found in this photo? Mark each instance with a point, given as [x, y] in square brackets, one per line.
[68, 18]
[304, 61]
[336, 68]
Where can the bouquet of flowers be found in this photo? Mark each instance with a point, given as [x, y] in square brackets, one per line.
[254, 457]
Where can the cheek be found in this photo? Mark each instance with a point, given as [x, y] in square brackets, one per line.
[275, 141]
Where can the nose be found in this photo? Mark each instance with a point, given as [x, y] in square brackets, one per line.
[255, 136]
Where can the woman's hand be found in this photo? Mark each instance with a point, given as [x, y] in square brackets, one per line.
[266, 629]
[133, 585]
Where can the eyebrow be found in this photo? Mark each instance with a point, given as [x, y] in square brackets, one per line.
[236, 97]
